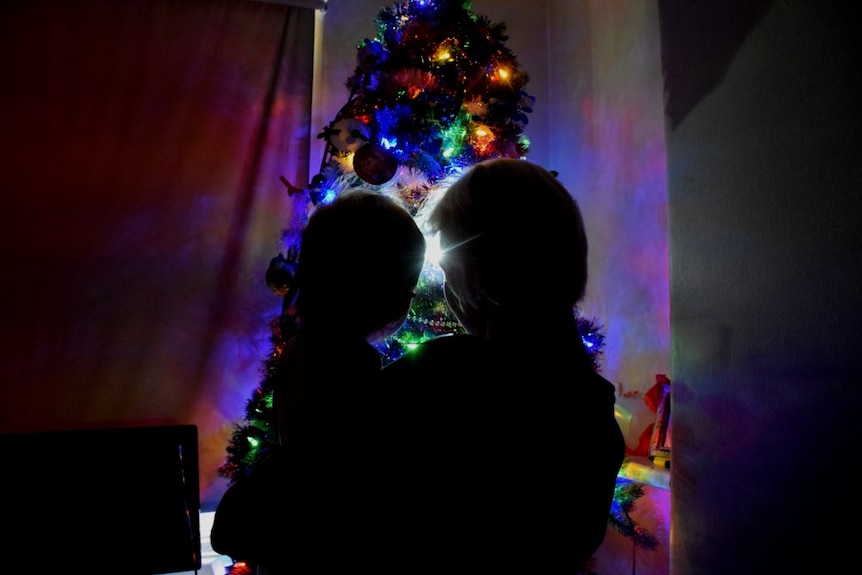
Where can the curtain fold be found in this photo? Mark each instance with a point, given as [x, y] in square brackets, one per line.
[141, 146]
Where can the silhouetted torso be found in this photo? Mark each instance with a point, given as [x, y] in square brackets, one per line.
[500, 454]
[297, 511]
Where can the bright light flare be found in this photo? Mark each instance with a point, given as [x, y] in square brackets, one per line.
[433, 251]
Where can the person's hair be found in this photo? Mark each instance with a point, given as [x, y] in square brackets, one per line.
[359, 260]
[513, 236]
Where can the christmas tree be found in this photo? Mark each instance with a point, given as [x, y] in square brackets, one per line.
[434, 92]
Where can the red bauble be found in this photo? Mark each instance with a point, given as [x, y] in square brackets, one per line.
[375, 164]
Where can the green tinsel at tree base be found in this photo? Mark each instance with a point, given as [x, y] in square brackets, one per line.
[625, 495]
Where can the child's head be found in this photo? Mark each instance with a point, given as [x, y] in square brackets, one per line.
[512, 237]
[359, 261]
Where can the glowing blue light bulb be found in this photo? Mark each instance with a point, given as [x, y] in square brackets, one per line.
[328, 196]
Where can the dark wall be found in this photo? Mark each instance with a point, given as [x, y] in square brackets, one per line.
[763, 148]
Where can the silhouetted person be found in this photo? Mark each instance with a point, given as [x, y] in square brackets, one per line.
[298, 511]
[502, 449]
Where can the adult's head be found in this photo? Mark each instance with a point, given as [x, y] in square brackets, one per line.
[514, 242]
[359, 261]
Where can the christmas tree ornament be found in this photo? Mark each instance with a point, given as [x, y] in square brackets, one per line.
[348, 134]
[375, 164]
[370, 56]
[280, 274]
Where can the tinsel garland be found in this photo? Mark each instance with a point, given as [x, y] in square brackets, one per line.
[626, 493]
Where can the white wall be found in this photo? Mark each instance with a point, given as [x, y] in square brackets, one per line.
[606, 138]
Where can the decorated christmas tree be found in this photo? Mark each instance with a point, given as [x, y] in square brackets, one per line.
[434, 92]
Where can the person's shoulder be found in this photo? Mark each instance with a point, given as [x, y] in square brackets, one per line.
[355, 359]
[445, 348]
[446, 355]
[454, 343]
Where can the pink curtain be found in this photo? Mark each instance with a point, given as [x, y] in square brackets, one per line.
[141, 145]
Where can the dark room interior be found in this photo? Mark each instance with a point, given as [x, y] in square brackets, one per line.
[714, 149]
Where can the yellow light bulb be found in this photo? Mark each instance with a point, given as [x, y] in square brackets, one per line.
[443, 55]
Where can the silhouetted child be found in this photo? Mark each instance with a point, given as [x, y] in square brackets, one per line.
[359, 260]
[506, 449]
